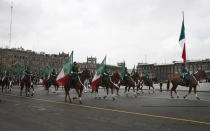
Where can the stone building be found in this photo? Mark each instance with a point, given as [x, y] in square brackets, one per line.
[35, 61]
[165, 71]
[92, 65]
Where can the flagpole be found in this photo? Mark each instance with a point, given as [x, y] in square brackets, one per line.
[10, 34]
[185, 44]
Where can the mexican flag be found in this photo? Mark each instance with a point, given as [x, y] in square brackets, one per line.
[182, 41]
[64, 75]
[133, 71]
[146, 73]
[98, 74]
[123, 70]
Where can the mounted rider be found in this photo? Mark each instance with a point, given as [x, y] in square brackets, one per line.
[185, 75]
[147, 77]
[27, 73]
[74, 75]
[6, 75]
[53, 75]
[105, 76]
[126, 78]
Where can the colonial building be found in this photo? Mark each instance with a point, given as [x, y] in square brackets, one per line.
[35, 61]
[92, 65]
[165, 71]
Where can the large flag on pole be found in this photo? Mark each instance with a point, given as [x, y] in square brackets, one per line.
[133, 71]
[98, 74]
[63, 76]
[182, 41]
[123, 70]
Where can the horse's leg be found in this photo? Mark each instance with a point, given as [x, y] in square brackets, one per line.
[153, 89]
[117, 89]
[126, 92]
[65, 93]
[2, 88]
[129, 88]
[195, 91]
[190, 89]
[134, 91]
[176, 93]
[172, 89]
[68, 93]
[107, 92]
[32, 90]
[112, 89]
[79, 95]
[21, 90]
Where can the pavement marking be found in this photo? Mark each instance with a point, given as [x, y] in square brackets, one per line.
[113, 110]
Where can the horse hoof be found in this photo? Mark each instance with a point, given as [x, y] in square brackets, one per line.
[197, 98]
[172, 97]
[113, 98]
[177, 96]
[105, 97]
[184, 97]
[80, 102]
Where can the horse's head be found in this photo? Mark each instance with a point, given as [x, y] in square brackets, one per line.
[136, 75]
[116, 76]
[86, 74]
[142, 78]
[201, 74]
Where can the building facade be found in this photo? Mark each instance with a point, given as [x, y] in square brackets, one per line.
[164, 71]
[92, 65]
[35, 61]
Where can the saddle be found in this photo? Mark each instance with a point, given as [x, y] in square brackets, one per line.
[185, 79]
[104, 79]
[126, 79]
[73, 79]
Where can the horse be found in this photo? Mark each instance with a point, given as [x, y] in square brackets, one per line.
[51, 81]
[108, 82]
[78, 85]
[194, 78]
[27, 83]
[115, 80]
[147, 82]
[128, 83]
[136, 79]
[5, 82]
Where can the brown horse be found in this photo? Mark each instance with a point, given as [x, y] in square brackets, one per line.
[194, 78]
[108, 83]
[147, 82]
[115, 79]
[27, 83]
[5, 83]
[51, 81]
[128, 84]
[78, 86]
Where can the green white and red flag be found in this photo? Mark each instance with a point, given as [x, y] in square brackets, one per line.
[182, 41]
[123, 70]
[133, 71]
[98, 74]
[64, 75]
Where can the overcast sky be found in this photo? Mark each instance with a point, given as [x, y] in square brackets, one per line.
[127, 30]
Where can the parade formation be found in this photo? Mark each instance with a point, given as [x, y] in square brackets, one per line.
[56, 92]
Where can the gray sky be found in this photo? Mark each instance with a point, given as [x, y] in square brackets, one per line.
[121, 29]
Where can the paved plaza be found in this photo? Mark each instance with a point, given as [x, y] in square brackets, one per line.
[147, 112]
